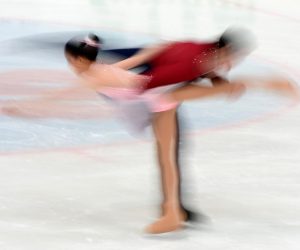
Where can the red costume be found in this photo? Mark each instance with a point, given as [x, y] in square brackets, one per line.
[179, 62]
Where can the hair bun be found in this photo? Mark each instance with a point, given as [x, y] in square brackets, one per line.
[92, 40]
[86, 47]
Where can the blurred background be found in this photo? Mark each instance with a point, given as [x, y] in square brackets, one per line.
[79, 180]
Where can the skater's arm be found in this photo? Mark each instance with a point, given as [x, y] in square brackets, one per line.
[103, 76]
[281, 85]
[193, 91]
[76, 92]
[141, 57]
[28, 108]
[216, 79]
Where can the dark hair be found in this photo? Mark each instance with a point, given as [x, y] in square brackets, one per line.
[87, 47]
[237, 39]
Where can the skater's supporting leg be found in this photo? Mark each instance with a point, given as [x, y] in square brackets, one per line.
[165, 130]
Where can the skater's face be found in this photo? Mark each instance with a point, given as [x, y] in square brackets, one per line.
[228, 59]
[78, 64]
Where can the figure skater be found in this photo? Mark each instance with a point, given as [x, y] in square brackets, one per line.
[167, 64]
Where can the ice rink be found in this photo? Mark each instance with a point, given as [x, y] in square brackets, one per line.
[85, 184]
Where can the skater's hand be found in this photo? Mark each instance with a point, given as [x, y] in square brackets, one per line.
[284, 87]
[10, 111]
[237, 90]
[15, 111]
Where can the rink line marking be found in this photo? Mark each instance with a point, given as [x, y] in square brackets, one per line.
[260, 119]
[261, 10]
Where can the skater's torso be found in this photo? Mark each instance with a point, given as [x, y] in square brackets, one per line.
[180, 62]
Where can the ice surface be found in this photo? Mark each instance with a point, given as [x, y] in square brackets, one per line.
[87, 184]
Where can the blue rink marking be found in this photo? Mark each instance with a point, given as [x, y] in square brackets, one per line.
[21, 134]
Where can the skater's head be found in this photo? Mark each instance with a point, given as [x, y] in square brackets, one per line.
[82, 52]
[234, 44]
[237, 40]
